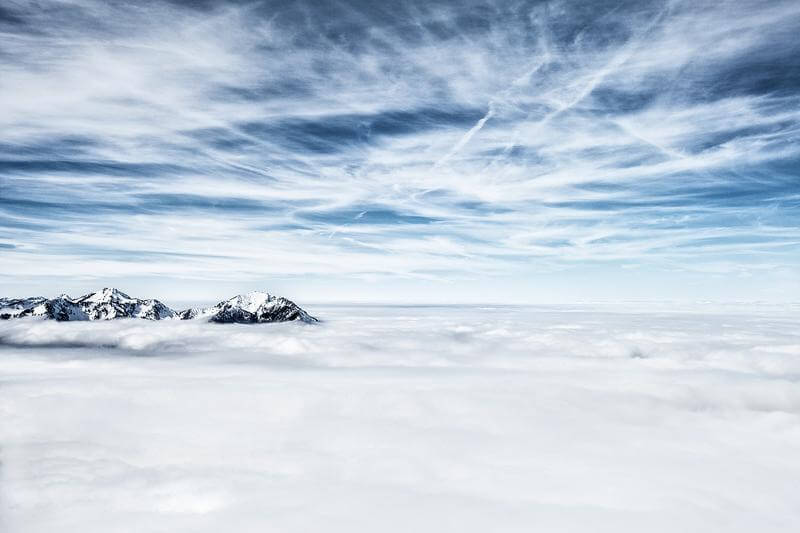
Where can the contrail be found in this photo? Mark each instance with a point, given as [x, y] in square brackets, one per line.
[466, 137]
[490, 113]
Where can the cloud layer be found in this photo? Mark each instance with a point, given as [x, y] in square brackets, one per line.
[401, 418]
[419, 140]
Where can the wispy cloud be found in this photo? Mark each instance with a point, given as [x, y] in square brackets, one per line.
[409, 139]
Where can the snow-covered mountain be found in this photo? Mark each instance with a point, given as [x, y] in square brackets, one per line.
[101, 305]
[112, 303]
[253, 307]
[19, 307]
[106, 304]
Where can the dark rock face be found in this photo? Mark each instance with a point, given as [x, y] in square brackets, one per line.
[107, 304]
[188, 314]
[64, 309]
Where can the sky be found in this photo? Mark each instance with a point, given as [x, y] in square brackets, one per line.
[522, 152]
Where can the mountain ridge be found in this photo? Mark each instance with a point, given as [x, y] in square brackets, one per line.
[110, 303]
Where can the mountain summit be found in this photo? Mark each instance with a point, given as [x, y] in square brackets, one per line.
[113, 303]
[253, 307]
[110, 303]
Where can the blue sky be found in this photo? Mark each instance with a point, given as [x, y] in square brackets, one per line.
[402, 151]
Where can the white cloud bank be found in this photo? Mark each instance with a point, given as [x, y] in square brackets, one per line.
[404, 419]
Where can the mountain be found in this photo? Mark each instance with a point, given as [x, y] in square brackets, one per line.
[20, 307]
[107, 304]
[253, 307]
[112, 303]
[101, 305]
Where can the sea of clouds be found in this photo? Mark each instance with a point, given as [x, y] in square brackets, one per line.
[405, 419]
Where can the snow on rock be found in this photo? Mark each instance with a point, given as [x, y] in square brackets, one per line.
[253, 307]
[113, 303]
[109, 303]
[20, 307]
[101, 305]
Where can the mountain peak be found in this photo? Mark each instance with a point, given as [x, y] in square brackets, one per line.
[251, 307]
[109, 303]
[250, 301]
[106, 294]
